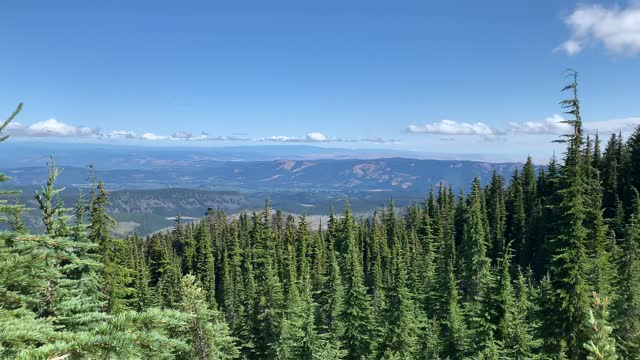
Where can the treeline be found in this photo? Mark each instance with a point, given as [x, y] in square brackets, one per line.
[543, 265]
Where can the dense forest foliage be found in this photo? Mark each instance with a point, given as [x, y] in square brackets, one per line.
[543, 265]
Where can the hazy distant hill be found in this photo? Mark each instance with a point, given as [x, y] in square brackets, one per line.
[149, 186]
[391, 174]
[110, 156]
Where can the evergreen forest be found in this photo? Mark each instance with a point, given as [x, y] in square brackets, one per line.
[542, 265]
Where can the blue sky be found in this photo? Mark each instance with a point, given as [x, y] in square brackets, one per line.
[454, 77]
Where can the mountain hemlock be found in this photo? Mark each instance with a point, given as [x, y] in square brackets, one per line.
[542, 265]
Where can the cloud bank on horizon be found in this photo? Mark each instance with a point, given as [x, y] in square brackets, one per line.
[552, 125]
[53, 128]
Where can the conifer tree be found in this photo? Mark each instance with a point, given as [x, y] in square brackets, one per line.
[517, 219]
[205, 263]
[601, 345]
[609, 174]
[356, 315]
[48, 198]
[626, 307]
[115, 275]
[496, 213]
[331, 297]
[569, 261]
[268, 299]
[209, 336]
[633, 145]
[426, 284]
[141, 297]
[298, 338]
[521, 341]
[453, 329]
[399, 339]
[598, 242]
[10, 213]
[532, 213]
[475, 260]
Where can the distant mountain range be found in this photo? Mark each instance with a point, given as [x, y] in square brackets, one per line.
[378, 175]
[149, 186]
[110, 156]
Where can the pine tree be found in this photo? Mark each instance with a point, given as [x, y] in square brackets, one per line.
[426, 283]
[569, 262]
[54, 215]
[142, 296]
[515, 321]
[474, 257]
[453, 329]
[626, 307]
[601, 345]
[209, 336]
[531, 211]
[517, 219]
[399, 339]
[205, 263]
[477, 277]
[633, 145]
[598, 242]
[10, 213]
[496, 213]
[331, 298]
[78, 301]
[115, 275]
[356, 315]
[268, 299]
[298, 338]
[609, 173]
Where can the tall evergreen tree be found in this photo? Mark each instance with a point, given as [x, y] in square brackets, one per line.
[268, 299]
[356, 315]
[453, 328]
[496, 213]
[633, 145]
[205, 263]
[626, 307]
[569, 261]
[517, 219]
[399, 339]
[209, 336]
[116, 276]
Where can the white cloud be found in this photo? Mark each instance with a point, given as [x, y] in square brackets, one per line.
[450, 127]
[553, 126]
[121, 134]
[310, 137]
[378, 140]
[205, 137]
[152, 136]
[316, 137]
[571, 47]
[618, 29]
[550, 126]
[625, 125]
[181, 135]
[51, 127]
[55, 128]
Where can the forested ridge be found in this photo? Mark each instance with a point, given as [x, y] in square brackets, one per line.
[542, 265]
